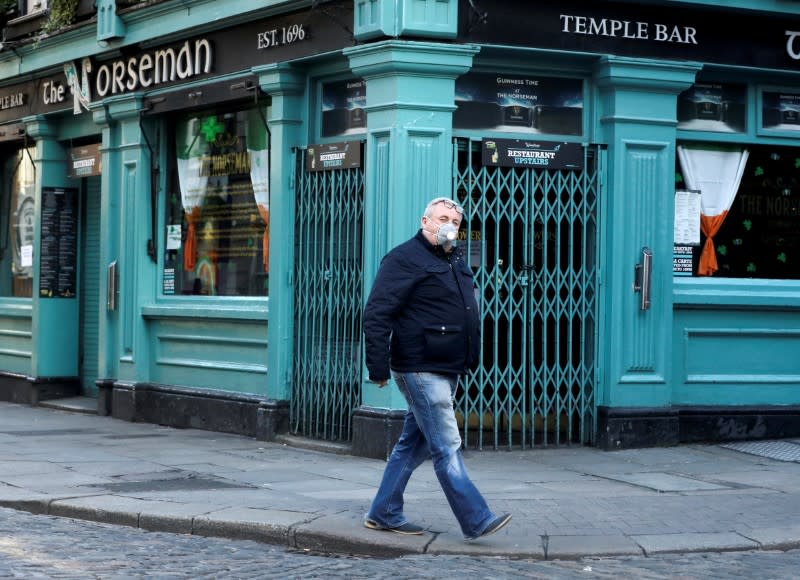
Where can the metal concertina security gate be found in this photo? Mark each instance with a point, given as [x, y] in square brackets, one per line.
[532, 237]
[328, 296]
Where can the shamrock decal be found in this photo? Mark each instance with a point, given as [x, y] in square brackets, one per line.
[211, 128]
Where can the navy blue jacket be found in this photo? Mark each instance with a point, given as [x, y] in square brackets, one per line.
[421, 315]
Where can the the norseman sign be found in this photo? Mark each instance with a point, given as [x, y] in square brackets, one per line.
[160, 66]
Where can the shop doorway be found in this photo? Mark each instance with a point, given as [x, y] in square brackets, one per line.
[89, 296]
[533, 241]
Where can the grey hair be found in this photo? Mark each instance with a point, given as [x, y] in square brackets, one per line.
[451, 203]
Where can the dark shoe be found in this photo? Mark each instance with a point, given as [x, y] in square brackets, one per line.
[495, 525]
[407, 529]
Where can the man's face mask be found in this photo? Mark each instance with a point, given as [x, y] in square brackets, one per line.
[447, 235]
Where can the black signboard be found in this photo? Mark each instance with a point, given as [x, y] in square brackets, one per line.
[85, 161]
[780, 111]
[532, 154]
[254, 43]
[59, 242]
[43, 95]
[343, 105]
[712, 107]
[724, 35]
[328, 156]
[523, 104]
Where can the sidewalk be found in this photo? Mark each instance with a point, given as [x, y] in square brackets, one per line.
[567, 503]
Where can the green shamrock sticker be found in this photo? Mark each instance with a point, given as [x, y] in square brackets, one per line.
[211, 128]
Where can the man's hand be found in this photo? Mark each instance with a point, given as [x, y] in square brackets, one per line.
[381, 383]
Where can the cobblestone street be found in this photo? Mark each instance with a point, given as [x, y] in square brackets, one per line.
[35, 546]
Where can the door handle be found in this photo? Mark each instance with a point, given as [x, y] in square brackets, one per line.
[111, 298]
[642, 273]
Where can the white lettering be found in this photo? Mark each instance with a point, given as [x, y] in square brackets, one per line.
[53, 93]
[634, 30]
[685, 35]
[11, 101]
[103, 81]
[118, 72]
[165, 66]
[184, 62]
[145, 64]
[790, 50]
[531, 154]
[132, 79]
[266, 39]
[160, 66]
[204, 46]
[331, 156]
[597, 28]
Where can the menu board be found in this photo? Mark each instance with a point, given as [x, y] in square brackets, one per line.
[59, 242]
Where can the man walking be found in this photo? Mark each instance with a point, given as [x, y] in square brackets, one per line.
[421, 327]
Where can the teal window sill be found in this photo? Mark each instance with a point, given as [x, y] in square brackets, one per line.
[735, 293]
[249, 312]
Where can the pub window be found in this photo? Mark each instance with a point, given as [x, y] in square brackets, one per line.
[17, 225]
[749, 210]
[217, 222]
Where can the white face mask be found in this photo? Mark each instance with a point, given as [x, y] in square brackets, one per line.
[447, 235]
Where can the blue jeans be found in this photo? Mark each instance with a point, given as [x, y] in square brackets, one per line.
[430, 430]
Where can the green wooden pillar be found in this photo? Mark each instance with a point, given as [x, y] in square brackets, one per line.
[55, 319]
[637, 118]
[410, 104]
[286, 87]
[126, 224]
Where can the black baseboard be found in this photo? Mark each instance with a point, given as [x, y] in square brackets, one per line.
[713, 424]
[210, 410]
[15, 388]
[627, 428]
[375, 431]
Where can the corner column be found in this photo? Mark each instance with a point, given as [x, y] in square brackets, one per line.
[638, 119]
[409, 154]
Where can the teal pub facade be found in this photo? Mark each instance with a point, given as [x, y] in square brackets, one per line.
[195, 197]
